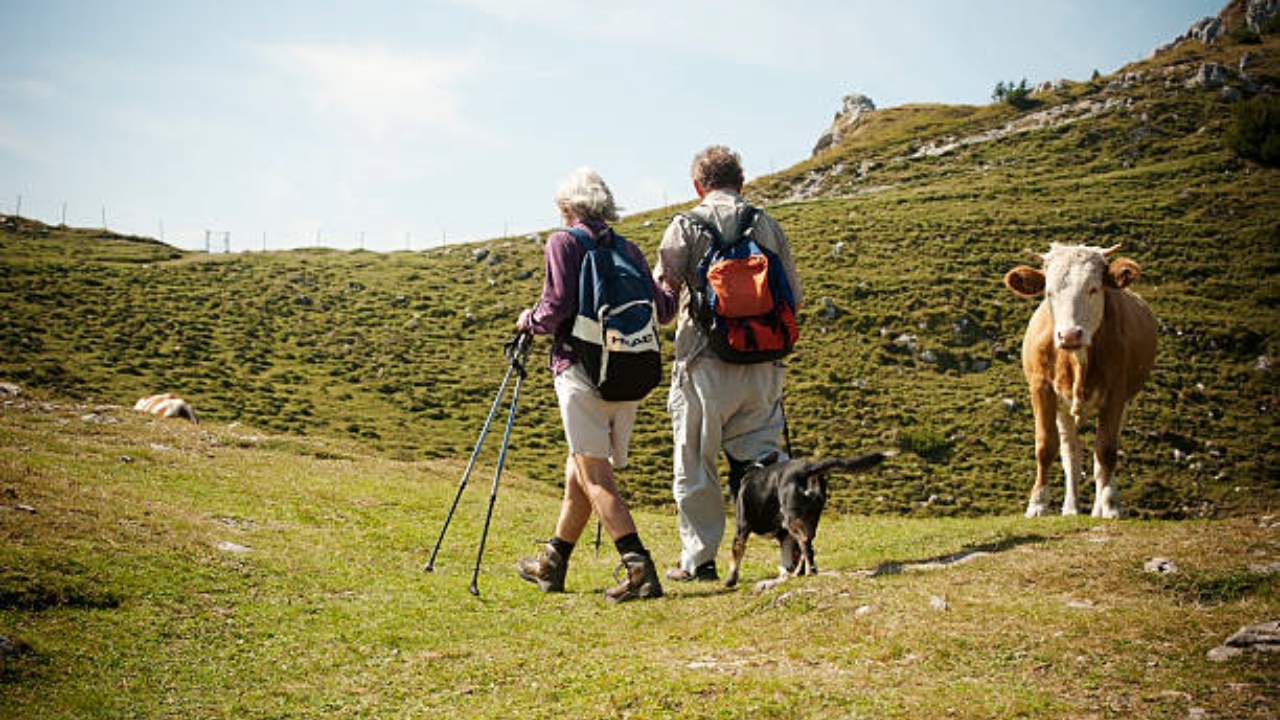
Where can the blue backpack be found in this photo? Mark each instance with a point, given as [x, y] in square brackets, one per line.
[741, 296]
[615, 333]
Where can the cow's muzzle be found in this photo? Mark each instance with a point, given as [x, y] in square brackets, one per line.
[1069, 339]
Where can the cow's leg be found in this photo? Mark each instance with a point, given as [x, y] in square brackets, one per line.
[1106, 500]
[1072, 461]
[1044, 404]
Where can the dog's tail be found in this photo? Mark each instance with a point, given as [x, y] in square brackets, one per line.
[852, 464]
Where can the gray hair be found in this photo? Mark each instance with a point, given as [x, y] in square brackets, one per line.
[584, 195]
[718, 167]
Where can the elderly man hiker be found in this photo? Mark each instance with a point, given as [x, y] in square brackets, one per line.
[715, 404]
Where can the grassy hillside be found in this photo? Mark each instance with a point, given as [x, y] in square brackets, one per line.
[903, 232]
[152, 569]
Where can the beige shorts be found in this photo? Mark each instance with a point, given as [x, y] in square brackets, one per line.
[593, 426]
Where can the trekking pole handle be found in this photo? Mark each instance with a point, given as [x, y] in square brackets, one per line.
[517, 348]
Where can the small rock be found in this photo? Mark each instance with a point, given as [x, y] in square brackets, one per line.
[1263, 637]
[862, 610]
[25, 508]
[10, 648]
[766, 585]
[829, 311]
[1223, 653]
[227, 546]
[1160, 566]
[939, 603]
[1271, 568]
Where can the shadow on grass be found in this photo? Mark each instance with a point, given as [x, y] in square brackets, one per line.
[969, 552]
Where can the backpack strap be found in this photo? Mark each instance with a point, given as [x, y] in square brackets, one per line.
[747, 221]
[608, 238]
[583, 237]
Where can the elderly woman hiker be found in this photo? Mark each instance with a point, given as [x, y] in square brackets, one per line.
[598, 431]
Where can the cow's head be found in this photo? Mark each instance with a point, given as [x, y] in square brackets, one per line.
[1074, 280]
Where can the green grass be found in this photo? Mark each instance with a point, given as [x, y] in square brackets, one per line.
[115, 585]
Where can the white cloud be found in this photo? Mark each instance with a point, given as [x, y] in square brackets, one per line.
[377, 89]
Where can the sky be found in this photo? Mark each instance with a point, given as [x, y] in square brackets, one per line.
[408, 125]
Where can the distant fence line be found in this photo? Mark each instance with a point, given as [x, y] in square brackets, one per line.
[212, 239]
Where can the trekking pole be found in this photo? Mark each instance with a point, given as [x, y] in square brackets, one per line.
[493, 409]
[516, 350]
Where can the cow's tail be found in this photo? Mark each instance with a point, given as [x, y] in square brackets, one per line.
[851, 464]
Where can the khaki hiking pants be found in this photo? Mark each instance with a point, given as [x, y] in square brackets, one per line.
[717, 405]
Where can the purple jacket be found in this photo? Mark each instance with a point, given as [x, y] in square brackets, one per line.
[554, 313]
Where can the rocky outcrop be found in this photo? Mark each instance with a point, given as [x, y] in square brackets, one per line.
[1236, 15]
[852, 110]
[1259, 12]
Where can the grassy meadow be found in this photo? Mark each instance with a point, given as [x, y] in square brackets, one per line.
[267, 563]
[160, 570]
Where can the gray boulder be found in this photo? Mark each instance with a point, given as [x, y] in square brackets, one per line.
[1263, 637]
[1210, 76]
[852, 109]
[1207, 30]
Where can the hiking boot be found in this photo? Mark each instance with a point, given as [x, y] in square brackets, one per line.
[547, 570]
[706, 572]
[640, 580]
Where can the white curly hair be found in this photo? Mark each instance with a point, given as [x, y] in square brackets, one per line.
[585, 196]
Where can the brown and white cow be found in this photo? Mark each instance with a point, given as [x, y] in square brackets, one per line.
[1088, 350]
[167, 405]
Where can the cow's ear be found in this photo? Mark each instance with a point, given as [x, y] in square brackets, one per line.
[1025, 281]
[1121, 273]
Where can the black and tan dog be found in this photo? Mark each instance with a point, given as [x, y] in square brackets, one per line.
[785, 499]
